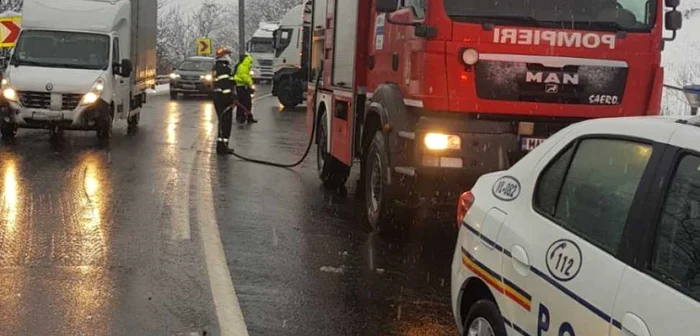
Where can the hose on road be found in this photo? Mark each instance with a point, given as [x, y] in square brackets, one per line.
[308, 147]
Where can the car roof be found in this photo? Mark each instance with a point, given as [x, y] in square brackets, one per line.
[655, 128]
[200, 58]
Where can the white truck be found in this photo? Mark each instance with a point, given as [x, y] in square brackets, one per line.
[80, 65]
[289, 80]
[260, 48]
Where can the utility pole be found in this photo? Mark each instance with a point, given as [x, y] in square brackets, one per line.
[241, 27]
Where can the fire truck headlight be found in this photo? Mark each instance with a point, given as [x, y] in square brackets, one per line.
[439, 141]
[470, 56]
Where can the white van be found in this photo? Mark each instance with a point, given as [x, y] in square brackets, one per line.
[79, 65]
[594, 232]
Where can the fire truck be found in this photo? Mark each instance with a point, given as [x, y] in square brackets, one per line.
[428, 95]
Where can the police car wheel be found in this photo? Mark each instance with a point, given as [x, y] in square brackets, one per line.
[484, 319]
[8, 130]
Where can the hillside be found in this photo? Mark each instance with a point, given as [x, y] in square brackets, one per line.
[681, 58]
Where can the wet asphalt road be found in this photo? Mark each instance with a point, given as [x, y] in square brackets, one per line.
[100, 241]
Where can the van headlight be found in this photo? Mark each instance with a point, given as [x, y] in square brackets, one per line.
[95, 92]
[207, 77]
[440, 141]
[174, 76]
[10, 94]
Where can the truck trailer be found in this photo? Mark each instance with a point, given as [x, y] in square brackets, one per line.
[429, 95]
[80, 65]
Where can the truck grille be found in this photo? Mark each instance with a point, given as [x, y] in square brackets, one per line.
[265, 63]
[35, 99]
[42, 100]
[70, 101]
[190, 78]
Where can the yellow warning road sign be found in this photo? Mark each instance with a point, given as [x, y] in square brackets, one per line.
[9, 31]
[204, 46]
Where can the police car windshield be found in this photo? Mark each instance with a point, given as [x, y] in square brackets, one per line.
[196, 65]
[61, 49]
[633, 15]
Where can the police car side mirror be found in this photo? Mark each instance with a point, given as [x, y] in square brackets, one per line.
[386, 6]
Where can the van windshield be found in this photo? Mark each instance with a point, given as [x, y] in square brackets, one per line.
[633, 15]
[62, 49]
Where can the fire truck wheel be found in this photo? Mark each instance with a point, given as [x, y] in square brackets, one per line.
[332, 172]
[8, 130]
[376, 189]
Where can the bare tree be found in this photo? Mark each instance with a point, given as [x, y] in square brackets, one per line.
[11, 5]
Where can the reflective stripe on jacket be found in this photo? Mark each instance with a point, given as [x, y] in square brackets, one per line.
[242, 76]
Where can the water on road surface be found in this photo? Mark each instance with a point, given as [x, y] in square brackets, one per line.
[156, 235]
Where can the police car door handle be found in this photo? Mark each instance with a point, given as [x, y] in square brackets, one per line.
[521, 262]
[633, 325]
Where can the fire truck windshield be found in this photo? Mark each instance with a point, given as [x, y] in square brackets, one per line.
[631, 15]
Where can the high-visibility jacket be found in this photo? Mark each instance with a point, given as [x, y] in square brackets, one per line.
[242, 76]
[223, 79]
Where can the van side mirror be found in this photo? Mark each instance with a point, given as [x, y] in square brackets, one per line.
[672, 3]
[386, 6]
[125, 68]
[674, 20]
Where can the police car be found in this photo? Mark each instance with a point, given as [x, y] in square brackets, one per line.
[595, 232]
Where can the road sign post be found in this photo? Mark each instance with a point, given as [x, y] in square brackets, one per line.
[204, 46]
[9, 31]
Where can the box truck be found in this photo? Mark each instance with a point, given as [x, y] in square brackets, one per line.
[80, 65]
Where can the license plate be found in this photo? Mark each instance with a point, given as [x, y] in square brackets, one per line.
[187, 86]
[529, 144]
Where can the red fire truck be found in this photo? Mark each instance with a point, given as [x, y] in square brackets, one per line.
[430, 94]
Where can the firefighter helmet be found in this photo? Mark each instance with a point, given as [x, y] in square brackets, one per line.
[221, 52]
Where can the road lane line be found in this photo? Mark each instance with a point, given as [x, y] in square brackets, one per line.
[262, 97]
[228, 309]
[181, 207]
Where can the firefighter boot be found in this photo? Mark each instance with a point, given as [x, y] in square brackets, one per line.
[222, 148]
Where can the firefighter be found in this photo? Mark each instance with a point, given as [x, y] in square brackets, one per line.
[244, 88]
[224, 98]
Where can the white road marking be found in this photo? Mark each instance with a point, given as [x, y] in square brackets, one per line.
[181, 207]
[262, 97]
[228, 309]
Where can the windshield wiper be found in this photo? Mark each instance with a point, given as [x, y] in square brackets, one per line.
[523, 19]
[18, 62]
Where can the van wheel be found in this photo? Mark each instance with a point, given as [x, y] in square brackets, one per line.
[484, 319]
[134, 121]
[8, 130]
[376, 189]
[104, 130]
[332, 172]
[173, 95]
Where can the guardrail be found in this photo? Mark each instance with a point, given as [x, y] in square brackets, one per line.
[691, 92]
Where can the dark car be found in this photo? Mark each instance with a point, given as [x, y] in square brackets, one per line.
[192, 76]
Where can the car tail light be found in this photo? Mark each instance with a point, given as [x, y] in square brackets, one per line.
[466, 200]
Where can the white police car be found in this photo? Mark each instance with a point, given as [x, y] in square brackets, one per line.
[595, 232]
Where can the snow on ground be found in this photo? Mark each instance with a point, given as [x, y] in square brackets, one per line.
[681, 59]
[160, 89]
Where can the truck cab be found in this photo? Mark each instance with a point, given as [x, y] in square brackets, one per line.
[73, 66]
[289, 67]
[261, 48]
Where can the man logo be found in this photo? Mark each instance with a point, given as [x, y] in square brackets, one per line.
[49, 87]
[551, 88]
